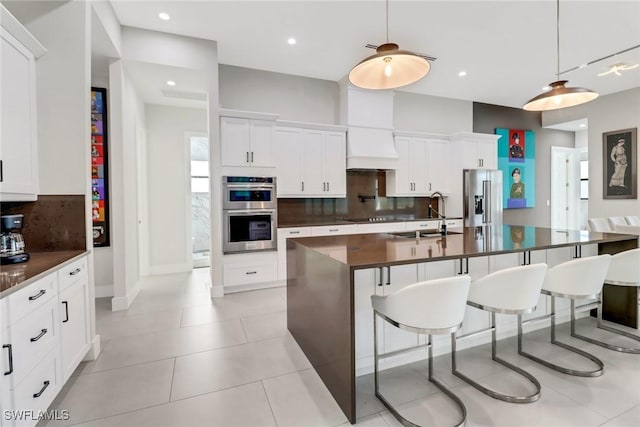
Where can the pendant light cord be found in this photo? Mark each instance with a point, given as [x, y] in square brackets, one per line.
[388, 21]
[557, 37]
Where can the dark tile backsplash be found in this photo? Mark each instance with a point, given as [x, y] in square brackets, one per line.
[52, 223]
[365, 199]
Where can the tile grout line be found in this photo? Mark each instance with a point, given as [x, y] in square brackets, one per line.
[273, 414]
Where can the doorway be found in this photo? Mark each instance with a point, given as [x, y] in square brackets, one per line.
[200, 201]
[565, 188]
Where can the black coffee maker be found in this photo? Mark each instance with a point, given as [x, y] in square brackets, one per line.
[11, 241]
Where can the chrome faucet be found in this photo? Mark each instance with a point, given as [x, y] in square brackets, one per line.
[443, 227]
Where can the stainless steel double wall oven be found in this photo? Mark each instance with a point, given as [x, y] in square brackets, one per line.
[250, 218]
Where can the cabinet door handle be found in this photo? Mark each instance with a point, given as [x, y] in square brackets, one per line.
[40, 335]
[327, 186]
[333, 230]
[302, 186]
[1, 173]
[380, 273]
[294, 232]
[66, 311]
[10, 354]
[247, 157]
[252, 157]
[44, 387]
[251, 272]
[429, 186]
[38, 295]
[74, 272]
[388, 276]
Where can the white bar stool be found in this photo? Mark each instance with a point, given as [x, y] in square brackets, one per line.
[623, 271]
[434, 307]
[510, 291]
[580, 278]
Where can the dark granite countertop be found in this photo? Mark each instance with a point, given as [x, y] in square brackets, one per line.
[17, 276]
[383, 249]
[319, 221]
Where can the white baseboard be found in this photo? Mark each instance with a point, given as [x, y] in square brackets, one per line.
[155, 270]
[252, 287]
[217, 291]
[94, 349]
[103, 291]
[123, 303]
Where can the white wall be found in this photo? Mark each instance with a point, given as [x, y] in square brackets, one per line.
[168, 199]
[424, 113]
[294, 98]
[607, 113]
[127, 114]
[63, 98]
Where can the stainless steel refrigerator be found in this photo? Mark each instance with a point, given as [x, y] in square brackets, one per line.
[482, 189]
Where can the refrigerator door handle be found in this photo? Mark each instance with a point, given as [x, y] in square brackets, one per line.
[486, 189]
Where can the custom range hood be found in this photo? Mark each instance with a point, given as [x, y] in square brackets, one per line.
[368, 116]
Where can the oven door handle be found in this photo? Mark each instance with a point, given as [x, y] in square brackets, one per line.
[251, 187]
[251, 212]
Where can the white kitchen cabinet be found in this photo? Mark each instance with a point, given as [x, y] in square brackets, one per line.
[19, 131]
[384, 227]
[249, 271]
[246, 142]
[74, 325]
[310, 162]
[410, 178]
[283, 235]
[423, 165]
[334, 230]
[381, 281]
[475, 150]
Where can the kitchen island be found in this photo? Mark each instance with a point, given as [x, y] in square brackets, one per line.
[322, 276]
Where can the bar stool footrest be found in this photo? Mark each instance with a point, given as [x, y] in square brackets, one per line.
[577, 373]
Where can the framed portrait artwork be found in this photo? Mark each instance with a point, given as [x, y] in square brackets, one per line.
[619, 169]
[517, 161]
[99, 168]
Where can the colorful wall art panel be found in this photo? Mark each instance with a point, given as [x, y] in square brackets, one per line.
[517, 161]
[99, 179]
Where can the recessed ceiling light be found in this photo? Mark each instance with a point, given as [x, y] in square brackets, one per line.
[171, 83]
[291, 41]
[164, 16]
[462, 73]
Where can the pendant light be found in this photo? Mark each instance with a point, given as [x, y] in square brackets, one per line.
[389, 67]
[559, 96]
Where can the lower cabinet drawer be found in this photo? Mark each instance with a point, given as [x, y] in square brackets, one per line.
[31, 297]
[246, 274]
[38, 389]
[32, 338]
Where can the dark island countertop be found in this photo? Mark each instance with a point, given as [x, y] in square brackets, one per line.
[383, 249]
[17, 276]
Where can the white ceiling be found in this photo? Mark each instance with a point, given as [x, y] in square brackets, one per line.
[507, 48]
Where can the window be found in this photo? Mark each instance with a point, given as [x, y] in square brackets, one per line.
[584, 180]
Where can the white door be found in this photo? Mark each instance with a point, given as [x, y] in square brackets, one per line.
[418, 166]
[261, 143]
[439, 169]
[312, 142]
[234, 140]
[565, 188]
[74, 326]
[402, 174]
[335, 157]
[287, 150]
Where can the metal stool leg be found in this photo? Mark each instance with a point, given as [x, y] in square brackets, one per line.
[600, 325]
[593, 373]
[405, 422]
[496, 395]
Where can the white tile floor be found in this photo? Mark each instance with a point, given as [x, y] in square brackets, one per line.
[178, 358]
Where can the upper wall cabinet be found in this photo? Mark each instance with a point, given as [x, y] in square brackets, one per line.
[310, 161]
[246, 139]
[423, 165]
[18, 129]
[476, 150]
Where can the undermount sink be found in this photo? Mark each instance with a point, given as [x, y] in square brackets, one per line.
[412, 234]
